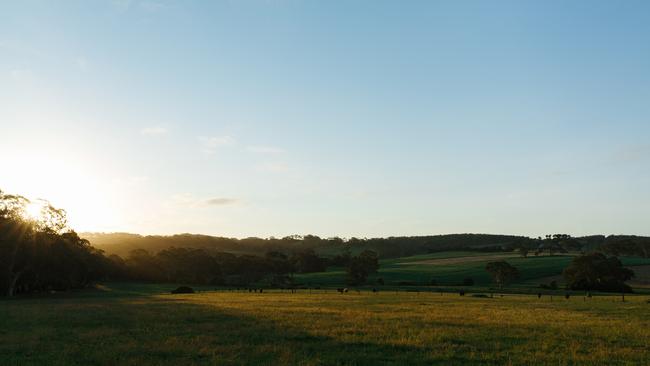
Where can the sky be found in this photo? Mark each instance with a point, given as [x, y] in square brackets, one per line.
[335, 118]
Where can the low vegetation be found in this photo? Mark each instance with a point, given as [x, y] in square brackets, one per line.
[146, 325]
[289, 306]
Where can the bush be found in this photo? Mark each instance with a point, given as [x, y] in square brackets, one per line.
[468, 281]
[434, 282]
[183, 290]
[380, 281]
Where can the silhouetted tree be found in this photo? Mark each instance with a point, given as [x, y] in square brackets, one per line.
[307, 261]
[523, 251]
[41, 253]
[502, 272]
[361, 266]
[597, 272]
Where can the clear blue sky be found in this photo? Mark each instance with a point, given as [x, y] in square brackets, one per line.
[349, 118]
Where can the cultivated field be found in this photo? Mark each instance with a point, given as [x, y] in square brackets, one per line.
[450, 268]
[141, 325]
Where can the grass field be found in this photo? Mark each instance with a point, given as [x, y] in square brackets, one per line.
[450, 268]
[140, 325]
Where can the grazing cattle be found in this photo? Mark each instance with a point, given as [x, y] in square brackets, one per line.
[462, 292]
[374, 290]
[539, 295]
[567, 296]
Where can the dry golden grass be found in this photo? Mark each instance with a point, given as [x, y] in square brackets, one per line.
[325, 329]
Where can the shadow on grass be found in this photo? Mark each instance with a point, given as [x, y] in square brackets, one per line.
[166, 331]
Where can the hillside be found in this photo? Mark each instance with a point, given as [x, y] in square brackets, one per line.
[451, 268]
[392, 247]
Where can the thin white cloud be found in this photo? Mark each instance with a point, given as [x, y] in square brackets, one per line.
[121, 5]
[154, 131]
[22, 75]
[209, 145]
[153, 6]
[131, 181]
[274, 167]
[189, 200]
[220, 201]
[631, 154]
[147, 6]
[264, 149]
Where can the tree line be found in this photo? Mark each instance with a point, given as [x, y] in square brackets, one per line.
[590, 272]
[40, 253]
[392, 247]
[43, 254]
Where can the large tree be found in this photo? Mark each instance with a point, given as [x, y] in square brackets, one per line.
[502, 272]
[39, 252]
[361, 266]
[597, 272]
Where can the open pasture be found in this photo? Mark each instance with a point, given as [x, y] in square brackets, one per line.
[450, 268]
[140, 325]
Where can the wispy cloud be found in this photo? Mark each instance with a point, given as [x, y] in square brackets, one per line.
[121, 5]
[209, 145]
[221, 201]
[131, 181]
[274, 167]
[264, 149]
[22, 75]
[189, 200]
[631, 154]
[154, 131]
[153, 6]
[148, 6]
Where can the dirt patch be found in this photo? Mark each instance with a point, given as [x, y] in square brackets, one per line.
[459, 260]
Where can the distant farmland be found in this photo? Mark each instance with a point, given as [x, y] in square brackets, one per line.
[450, 268]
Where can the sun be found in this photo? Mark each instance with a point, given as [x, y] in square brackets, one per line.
[34, 210]
[85, 190]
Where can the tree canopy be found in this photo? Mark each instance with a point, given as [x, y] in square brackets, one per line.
[39, 252]
[502, 272]
[595, 271]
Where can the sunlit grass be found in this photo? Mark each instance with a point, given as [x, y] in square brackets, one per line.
[323, 328]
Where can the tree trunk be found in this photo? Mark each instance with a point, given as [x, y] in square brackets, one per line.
[12, 283]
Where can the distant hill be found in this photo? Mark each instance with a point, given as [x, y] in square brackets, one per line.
[391, 247]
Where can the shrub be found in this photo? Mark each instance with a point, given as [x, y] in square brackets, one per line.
[468, 281]
[183, 290]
